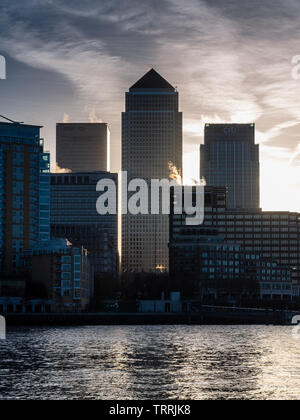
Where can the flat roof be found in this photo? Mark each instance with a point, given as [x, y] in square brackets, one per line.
[20, 125]
[83, 123]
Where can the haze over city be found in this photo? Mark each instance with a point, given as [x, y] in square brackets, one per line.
[229, 63]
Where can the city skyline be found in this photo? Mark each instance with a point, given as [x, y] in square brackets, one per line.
[83, 66]
[149, 202]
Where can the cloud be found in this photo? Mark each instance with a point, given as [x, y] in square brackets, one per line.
[230, 62]
[281, 180]
[295, 155]
[60, 170]
[195, 44]
[66, 118]
[276, 131]
[93, 116]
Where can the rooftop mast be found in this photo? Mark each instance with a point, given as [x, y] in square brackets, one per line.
[14, 122]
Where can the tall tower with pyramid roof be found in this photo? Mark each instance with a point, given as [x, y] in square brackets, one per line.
[151, 141]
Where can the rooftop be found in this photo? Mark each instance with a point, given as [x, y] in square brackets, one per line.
[152, 80]
[11, 124]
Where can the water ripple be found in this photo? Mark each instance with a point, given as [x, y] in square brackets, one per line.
[150, 362]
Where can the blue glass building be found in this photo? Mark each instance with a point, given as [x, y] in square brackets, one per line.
[25, 193]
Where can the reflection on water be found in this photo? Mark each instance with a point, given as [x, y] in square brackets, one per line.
[150, 362]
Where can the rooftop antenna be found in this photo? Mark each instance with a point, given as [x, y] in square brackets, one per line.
[14, 122]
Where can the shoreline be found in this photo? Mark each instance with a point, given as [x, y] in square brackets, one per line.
[127, 318]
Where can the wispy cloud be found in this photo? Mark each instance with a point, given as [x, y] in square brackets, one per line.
[66, 118]
[230, 61]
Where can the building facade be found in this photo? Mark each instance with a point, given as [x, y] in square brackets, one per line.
[10, 305]
[225, 270]
[25, 193]
[170, 304]
[151, 145]
[74, 216]
[67, 277]
[271, 236]
[83, 147]
[230, 158]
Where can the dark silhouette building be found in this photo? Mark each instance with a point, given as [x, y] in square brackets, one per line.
[74, 216]
[83, 147]
[25, 193]
[151, 144]
[270, 238]
[230, 158]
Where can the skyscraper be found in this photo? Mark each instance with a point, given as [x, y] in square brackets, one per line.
[151, 141]
[83, 147]
[74, 216]
[24, 193]
[230, 158]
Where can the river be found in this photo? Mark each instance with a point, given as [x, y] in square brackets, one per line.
[150, 362]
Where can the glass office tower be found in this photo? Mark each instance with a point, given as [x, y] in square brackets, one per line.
[74, 216]
[24, 193]
[151, 141]
[83, 147]
[230, 158]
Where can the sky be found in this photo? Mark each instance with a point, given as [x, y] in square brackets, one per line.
[231, 61]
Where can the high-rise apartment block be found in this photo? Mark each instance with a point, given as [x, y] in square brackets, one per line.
[151, 144]
[230, 158]
[83, 147]
[24, 193]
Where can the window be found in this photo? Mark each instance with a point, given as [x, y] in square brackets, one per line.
[77, 267]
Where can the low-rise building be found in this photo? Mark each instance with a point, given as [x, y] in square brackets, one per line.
[61, 272]
[163, 305]
[10, 305]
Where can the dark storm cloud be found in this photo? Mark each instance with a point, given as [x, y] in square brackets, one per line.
[231, 60]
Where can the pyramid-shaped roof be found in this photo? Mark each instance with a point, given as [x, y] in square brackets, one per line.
[152, 80]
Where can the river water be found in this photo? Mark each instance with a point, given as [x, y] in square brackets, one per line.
[150, 362]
